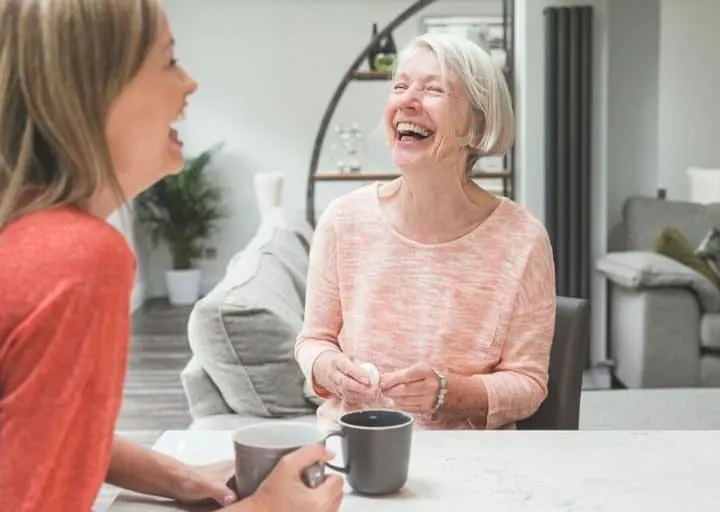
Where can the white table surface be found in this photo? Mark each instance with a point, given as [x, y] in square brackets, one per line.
[508, 471]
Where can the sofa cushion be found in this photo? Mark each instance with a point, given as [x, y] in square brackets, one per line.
[645, 269]
[646, 217]
[203, 396]
[288, 236]
[243, 332]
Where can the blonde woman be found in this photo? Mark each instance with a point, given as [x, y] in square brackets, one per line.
[89, 91]
[448, 290]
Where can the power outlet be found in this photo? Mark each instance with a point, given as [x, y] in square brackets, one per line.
[210, 253]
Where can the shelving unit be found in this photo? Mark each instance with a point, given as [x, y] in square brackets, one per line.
[354, 74]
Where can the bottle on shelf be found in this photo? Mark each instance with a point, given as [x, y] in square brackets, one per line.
[383, 54]
[375, 48]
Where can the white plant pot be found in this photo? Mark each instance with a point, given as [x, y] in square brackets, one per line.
[183, 286]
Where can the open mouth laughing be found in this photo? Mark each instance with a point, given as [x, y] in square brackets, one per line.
[412, 132]
[174, 137]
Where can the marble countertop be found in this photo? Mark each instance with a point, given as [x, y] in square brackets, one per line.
[509, 471]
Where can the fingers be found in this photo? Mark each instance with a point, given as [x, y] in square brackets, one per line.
[404, 376]
[306, 456]
[407, 391]
[221, 493]
[350, 387]
[346, 366]
[333, 490]
[419, 406]
[333, 485]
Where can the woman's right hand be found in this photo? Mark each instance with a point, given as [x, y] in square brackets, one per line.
[284, 488]
[343, 378]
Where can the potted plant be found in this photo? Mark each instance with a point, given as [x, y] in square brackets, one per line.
[182, 210]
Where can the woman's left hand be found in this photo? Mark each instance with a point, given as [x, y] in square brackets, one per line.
[413, 389]
[203, 483]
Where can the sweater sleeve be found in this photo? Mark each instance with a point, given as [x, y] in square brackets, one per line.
[518, 384]
[62, 364]
[45, 407]
[323, 313]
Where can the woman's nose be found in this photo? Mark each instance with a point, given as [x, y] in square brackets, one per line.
[189, 82]
[410, 98]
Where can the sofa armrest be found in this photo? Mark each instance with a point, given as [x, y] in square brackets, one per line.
[654, 336]
[203, 397]
[646, 269]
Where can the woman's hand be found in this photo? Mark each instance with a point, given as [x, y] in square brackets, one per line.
[284, 489]
[342, 377]
[198, 484]
[412, 389]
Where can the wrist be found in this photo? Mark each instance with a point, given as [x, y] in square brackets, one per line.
[466, 397]
[319, 372]
[179, 480]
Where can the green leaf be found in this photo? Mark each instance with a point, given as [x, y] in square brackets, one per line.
[182, 210]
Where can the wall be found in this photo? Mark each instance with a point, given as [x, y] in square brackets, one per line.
[122, 220]
[689, 110]
[266, 71]
[633, 95]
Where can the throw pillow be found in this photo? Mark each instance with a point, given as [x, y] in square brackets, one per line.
[673, 244]
[709, 250]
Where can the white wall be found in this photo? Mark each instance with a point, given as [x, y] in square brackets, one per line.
[266, 71]
[633, 95]
[689, 109]
[122, 220]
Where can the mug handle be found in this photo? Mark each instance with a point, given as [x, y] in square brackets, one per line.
[344, 469]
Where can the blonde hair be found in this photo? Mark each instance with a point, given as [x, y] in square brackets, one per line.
[62, 64]
[491, 129]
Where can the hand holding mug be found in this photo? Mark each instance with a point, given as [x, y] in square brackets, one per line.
[412, 389]
[344, 378]
[284, 489]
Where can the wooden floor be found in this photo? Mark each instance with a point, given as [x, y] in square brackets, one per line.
[153, 398]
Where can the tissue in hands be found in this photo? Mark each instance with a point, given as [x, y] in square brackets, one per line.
[373, 373]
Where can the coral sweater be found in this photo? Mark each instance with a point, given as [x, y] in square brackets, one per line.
[65, 284]
[482, 305]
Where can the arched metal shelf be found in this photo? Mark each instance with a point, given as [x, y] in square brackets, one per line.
[354, 74]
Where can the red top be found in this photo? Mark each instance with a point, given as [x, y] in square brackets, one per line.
[65, 284]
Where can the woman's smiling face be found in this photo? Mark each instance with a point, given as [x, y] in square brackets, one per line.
[426, 113]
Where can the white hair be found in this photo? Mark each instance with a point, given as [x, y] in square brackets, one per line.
[491, 120]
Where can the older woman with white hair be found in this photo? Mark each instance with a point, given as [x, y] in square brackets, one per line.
[448, 290]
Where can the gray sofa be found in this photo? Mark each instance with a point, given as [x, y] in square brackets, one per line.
[664, 317]
[242, 333]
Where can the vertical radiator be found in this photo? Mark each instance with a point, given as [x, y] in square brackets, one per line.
[568, 100]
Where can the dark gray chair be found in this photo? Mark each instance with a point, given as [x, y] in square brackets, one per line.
[561, 408]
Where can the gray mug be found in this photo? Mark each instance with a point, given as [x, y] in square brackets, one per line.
[376, 445]
[259, 447]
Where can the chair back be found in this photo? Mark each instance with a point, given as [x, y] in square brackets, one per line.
[561, 408]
